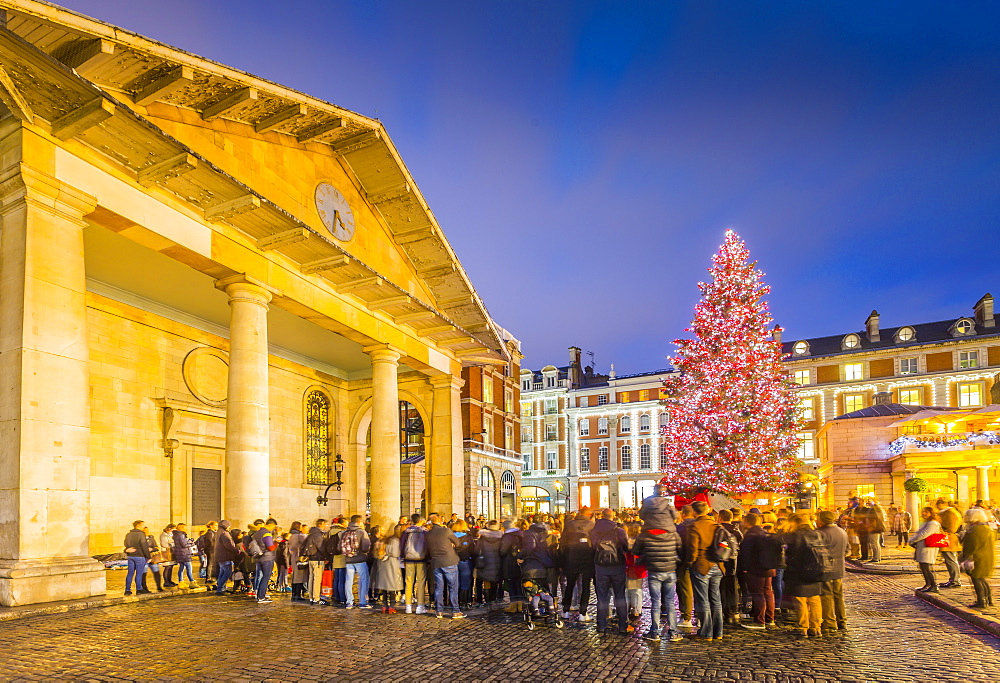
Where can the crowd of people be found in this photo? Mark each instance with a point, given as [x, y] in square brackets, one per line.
[703, 569]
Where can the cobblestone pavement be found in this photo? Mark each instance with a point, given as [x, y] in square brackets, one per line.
[892, 637]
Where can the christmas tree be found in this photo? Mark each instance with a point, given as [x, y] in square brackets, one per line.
[732, 417]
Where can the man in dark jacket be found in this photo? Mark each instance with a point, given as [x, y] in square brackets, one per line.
[610, 544]
[706, 573]
[658, 549]
[224, 553]
[685, 592]
[413, 550]
[832, 592]
[441, 545]
[758, 552]
[264, 536]
[729, 586]
[510, 550]
[313, 549]
[487, 551]
[137, 551]
[207, 548]
[801, 544]
[578, 562]
[354, 544]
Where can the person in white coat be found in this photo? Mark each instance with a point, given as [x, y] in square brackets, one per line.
[926, 555]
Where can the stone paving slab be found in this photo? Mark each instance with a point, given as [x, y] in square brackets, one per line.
[892, 637]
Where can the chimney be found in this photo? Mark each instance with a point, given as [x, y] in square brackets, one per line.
[575, 369]
[871, 324]
[776, 333]
[984, 311]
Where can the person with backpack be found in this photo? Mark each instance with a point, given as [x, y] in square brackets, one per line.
[610, 544]
[353, 545]
[577, 558]
[759, 558]
[441, 545]
[414, 552]
[465, 565]
[729, 586]
[658, 547]
[313, 553]
[262, 547]
[487, 554]
[832, 593]
[337, 562]
[705, 555]
[807, 561]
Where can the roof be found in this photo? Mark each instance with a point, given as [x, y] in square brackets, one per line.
[924, 333]
[887, 410]
[412, 460]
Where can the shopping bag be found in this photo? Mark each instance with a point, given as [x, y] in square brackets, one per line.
[326, 585]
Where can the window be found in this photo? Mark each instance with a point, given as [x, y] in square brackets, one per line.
[807, 408]
[583, 401]
[853, 372]
[584, 427]
[526, 385]
[508, 401]
[527, 462]
[626, 459]
[626, 425]
[907, 366]
[910, 430]
[803, 377]
[645, 459]
[550, 460]
[807, 447]
[663, 457]
[970, 394]
[508, 436]
[905, 334]
[551, 406]
[910, 397]
[584, 459]
[602, 459]
[800, 348]
[526, 409]
[550, 382]
[486, 495]
[851, 341]
[525, 434]
[550, 432]
[487, 389]
[602, 400]
[968, 359]
[644, 423]
[644, 394]
[623, 397]
[664, 418]
[853, 402]
[317, 438]
[602, 425]
[487, 430]
[964, 327]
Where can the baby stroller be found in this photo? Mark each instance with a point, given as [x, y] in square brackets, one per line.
[541, 607]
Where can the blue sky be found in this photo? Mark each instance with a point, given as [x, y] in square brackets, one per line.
[585, 158]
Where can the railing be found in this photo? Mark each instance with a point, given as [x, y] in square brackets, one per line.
[492, 450]
[956, 441]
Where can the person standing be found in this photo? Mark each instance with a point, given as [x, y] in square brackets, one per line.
[926, 555]
[685, 590]
[902, 525]
[441, 546]
[388, 573]
[300, 569]
[167, 548]
[225, 554]
[804, 573]
[487, 552]
[137, 552]
[832, 591]
[758, 562]
[313, 549]
[337, 562]
[354, 546]
[577, 555]
[182, 554]
[414, 553]
[951, 523]
[729, 586]
[465, 545]
[207, 549]
[610, 544]
[706, 573]
[264, 537]
[978, 555]
[658, 549]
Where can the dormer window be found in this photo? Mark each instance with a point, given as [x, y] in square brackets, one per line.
[851, 341]
[962, 328]
[800, 348]
[905, 334]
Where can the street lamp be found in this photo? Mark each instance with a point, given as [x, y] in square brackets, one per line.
[558, 485]
[338, 468]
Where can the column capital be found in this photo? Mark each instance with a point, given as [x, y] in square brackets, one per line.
[383, 353]
[22, 183]
[242, 287]
[446, 381]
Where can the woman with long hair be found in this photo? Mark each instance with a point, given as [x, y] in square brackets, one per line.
[978, 555]
[388, 573]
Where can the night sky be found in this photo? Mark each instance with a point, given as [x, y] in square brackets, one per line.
[584, 159]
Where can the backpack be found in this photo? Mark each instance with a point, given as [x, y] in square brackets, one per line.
[536, 548]
[769, 552]
[349, 543]
[724, 545]
[607, 552]
[415, 548]
[254, 549]
[464, 545]
[816, 558]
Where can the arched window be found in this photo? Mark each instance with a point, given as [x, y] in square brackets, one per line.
[317, 438]
[487, 493]
[851, 341]
[664, 419]
[645, 460]
[905, 334]
[626, 425]
[508, 493]
[626, 457]
[644, 422]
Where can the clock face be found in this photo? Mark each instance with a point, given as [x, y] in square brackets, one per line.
[335, 212]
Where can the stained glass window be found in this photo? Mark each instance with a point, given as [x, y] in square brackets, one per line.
[317, 438]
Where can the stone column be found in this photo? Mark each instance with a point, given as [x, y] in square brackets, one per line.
[45, 404]
[962, 490]
[912, 498]
[983, 482]
[385, 434]
[446, 465]
[248, 433]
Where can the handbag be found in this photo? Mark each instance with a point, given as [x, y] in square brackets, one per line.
[939, 540]
[157, 557]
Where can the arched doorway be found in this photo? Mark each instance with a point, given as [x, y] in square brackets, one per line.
[508, 494]
[413, 468]
[535, 499]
